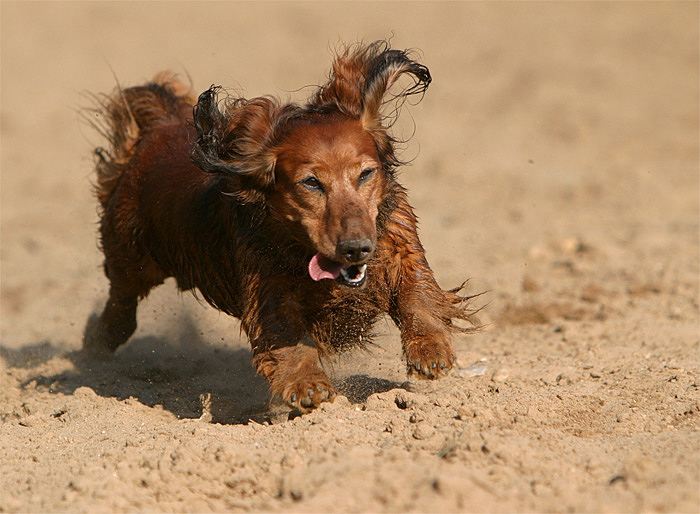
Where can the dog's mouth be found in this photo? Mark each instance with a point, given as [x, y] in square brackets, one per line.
[352, 275]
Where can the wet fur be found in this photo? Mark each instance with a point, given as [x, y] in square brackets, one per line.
[207, 191]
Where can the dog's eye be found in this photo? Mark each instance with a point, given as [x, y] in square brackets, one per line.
[312, 183]
[366, 173]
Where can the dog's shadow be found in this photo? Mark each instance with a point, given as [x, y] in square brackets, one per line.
[184, 374]
[188, 377]
[357, 388]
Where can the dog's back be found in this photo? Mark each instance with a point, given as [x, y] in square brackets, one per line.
[156, 202]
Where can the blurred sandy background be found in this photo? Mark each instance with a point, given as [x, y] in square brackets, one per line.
[555, 162]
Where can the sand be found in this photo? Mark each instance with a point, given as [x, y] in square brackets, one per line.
[554, 163]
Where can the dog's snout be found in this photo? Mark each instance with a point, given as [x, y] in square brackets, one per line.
[354, 250]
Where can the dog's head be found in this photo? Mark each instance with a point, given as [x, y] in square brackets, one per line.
[322, 169]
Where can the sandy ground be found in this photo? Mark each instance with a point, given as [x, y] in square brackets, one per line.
[555, 162]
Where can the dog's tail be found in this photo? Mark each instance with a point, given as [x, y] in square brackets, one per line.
[125, 115]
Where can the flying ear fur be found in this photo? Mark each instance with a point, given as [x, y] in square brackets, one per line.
[384, 70]
[362, 76]
[238, 142]
[209, 123]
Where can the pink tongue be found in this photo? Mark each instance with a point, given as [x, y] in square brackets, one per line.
[320, 268]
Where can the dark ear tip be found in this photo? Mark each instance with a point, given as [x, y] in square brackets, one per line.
[207, 103]
[422, 74]
[208, 122]
[210, 94]
[401, 58]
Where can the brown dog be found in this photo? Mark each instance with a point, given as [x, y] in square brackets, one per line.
[288, 217]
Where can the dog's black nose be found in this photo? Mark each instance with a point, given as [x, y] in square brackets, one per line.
[354, 250]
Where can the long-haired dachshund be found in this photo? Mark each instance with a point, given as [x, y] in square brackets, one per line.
[286, 216]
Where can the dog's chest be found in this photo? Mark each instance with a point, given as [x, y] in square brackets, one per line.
[342, 318]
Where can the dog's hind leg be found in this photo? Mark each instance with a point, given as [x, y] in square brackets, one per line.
[106, 332]
[128, 284]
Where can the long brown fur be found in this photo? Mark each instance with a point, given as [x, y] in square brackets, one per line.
[238, 199]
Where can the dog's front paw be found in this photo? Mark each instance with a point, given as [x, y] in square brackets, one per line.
[307, 393]
[295, 376]
[429, 358]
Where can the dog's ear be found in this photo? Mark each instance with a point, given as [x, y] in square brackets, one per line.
[383, 71]
[209, 123]
[238, 142]
[363, 75]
